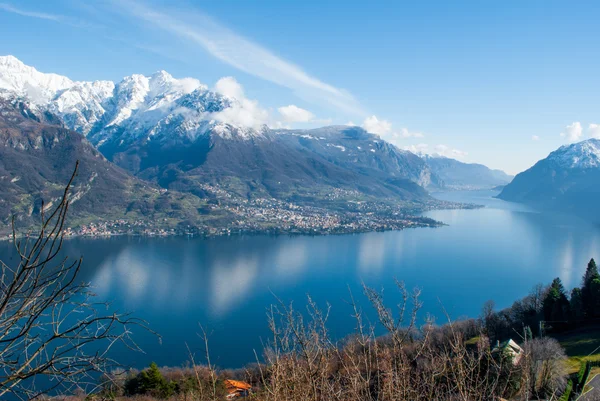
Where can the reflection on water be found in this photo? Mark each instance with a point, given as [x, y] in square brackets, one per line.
[226, 284]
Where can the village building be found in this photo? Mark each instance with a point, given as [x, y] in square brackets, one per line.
[509, 348]
[237, 389]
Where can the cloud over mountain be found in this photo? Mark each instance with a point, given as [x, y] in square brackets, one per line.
[295, 114]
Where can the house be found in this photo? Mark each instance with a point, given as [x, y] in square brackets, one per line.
[237, 388]
[509, 348]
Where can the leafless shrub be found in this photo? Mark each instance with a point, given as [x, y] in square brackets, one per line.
[411, 362]
[546, 363]
[53, 333]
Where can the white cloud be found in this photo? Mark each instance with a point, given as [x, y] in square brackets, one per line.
[572, 132]
[62, 19]
[404, 133]
[376, 126]
[239, 52]
[230, 87]
[438, 150]
[594, 131]
[384, 129]
[420, 148]
[295, 114]
[11, 9]
[243, 112]
[447, 151]
[535, 138]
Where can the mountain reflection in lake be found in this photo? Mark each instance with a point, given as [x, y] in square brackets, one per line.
[226, 284]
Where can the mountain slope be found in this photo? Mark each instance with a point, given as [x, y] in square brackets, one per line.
[181, 135]
[280, 164]
[37, 158]
[567, 180]
[459, 175]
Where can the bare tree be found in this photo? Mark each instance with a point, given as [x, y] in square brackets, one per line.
[546, 362]
[53, 334]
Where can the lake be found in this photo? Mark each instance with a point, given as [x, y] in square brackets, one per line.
[226, 284]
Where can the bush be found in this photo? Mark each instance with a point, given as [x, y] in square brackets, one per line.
[150, 382]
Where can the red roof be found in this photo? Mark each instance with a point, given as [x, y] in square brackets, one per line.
[235, 385]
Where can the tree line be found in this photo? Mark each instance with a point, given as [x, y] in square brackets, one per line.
[547, 308]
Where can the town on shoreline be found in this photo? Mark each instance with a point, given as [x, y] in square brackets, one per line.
[274, 217]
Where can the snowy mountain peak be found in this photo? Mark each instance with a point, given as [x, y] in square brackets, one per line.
[26, 81]
[11, 62]
[581, 155]
[137, 107]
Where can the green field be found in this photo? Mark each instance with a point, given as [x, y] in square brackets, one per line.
[581, 344]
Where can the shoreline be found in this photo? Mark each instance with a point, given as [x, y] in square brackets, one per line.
[228, 232]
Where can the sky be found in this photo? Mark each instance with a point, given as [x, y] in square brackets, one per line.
[499, 83]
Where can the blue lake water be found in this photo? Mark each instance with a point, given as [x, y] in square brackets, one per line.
[226, 284]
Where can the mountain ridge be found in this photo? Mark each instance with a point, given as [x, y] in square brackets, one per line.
[566, 180]
[460, 175]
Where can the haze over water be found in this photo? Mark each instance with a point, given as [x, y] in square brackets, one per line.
[226, 284]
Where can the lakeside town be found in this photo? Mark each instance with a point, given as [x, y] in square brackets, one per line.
[337, 211]
[271, 216]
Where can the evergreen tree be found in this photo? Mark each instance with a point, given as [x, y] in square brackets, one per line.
[576, 304]
[590, 292]
[556, 304]
[151, 381]
[591, 272]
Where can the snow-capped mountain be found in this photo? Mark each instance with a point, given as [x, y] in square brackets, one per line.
[568, 180]
[179, 134]
[581, 155]
[138, 106]
[37, 158]
[460, 175]
[26, 81]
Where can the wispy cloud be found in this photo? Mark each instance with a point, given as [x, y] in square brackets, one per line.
[241, 53]
[383, 128]
[62, 19]
[437, 150]
[33, 14]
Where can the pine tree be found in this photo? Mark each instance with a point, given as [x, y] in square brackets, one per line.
[590, 292]
[556, 304]
[152, 382]
[591, 272]
[576, 304]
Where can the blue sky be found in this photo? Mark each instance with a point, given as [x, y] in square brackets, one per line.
[490, 82]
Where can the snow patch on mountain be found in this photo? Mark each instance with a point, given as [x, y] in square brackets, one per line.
[581, 155]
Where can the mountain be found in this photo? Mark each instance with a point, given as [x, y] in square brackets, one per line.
[292, 165]
[37, 158]
[567, 180]
[179, 134]
[459, 175]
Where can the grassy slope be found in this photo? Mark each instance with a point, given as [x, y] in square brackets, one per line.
[581, 344]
